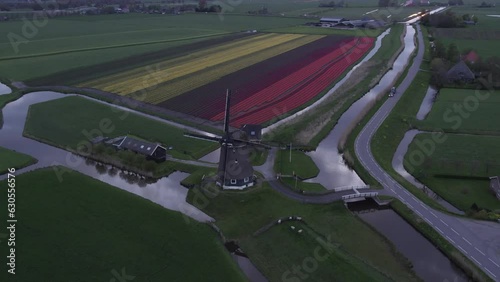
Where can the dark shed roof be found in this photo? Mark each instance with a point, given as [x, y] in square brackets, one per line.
[460, 71]
[138, 146]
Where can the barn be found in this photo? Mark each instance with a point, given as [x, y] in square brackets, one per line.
[152, 151]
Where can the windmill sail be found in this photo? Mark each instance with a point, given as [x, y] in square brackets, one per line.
[226, 114]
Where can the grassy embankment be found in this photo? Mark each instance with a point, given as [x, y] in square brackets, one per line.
[314, 126]
[384, 144]
[357, 253]
[471, 135]
[9, 158]
[483, 37]
[99, 228]
[301, 165]
[63, 123]
[72, 42]
[470, 269]
[459, 169]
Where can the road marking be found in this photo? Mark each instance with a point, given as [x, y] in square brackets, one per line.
[424, 206]
[411, 206]
[476, 260]
[406, 192]
[454, 231]
[462, 250]
[466, 241]
[419, 213]
[428, 221]
[393, 190]
[479, 251]
[434, 214]
[450, 239]
[494, 262]
[439, 230]
[415, 199]
[490, 272]
[444, 223]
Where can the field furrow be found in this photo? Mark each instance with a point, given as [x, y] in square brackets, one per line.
[168, 73]
[163, 92]
[123, 76]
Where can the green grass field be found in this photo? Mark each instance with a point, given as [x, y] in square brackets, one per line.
[9, 158]
[301, 29]
[478, 114]
[458, 157]
[304, 186]
[240, 214]
[65, 39]
[484, 37]
[301, 164]
[63, 122]
[81, 229]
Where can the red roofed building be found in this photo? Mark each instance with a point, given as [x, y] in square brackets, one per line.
[471, 57]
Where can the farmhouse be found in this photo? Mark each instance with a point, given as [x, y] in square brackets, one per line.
[152, 151]
[332, 20]
[460, 73]
[495, 185]
[471, 57]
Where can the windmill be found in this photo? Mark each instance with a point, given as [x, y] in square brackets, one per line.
[235, 170]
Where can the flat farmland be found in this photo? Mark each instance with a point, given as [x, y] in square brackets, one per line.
[484, 37]
[271, 74]
[67, 43]
[461, 110]
[181, 74]
[277, 86]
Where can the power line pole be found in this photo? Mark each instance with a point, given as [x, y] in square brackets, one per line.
[290, 151]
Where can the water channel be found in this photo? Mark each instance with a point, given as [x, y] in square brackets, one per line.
[333, 170]
[170, 194]
[428, 262]
[4, 89]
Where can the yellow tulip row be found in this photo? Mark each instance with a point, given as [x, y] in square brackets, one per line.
[173, 72]
[160, 93]
[139, 71]
[167, 71]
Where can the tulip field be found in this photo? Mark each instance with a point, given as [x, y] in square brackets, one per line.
[270, 75]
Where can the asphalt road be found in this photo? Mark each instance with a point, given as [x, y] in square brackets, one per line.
[476, 240]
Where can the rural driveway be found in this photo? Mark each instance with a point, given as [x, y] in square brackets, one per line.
[479, 241]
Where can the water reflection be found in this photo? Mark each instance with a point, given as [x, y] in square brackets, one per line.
[398, 165]
[166, 192]
[428, 262]
[333, 170]
[4, 89]
[426, 105]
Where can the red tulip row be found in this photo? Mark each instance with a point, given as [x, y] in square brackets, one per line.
[299, 87]
[298, 90]
[214, 106]
[288, 83]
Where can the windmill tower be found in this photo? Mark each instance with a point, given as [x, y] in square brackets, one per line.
[235, 170]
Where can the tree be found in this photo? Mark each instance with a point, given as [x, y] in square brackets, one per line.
[108, 10]
[439, 49]
[202, 5]
[452, 54]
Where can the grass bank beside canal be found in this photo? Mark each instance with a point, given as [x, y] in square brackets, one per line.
[444, 246]
[355, 251]
[103, 230]
[13, 159]
[383, 146]
[73, 121]
[311, 128]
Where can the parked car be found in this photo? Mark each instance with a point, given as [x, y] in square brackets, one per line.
[393, 91]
